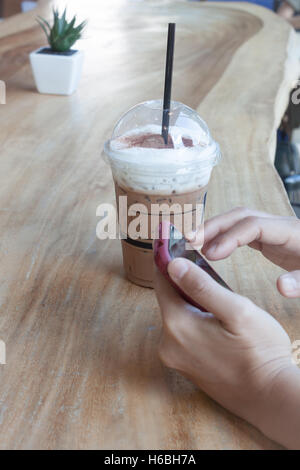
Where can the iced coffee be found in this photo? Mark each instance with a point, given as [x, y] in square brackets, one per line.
[156, 179]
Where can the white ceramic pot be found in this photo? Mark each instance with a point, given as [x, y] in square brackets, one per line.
[56, 74]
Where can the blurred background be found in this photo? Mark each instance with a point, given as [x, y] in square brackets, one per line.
[12, 7]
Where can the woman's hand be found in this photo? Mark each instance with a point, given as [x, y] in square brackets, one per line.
[277, 238]
[238, 354]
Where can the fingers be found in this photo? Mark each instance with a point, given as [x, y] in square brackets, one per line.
[251, 230]
[165, 292]
[170, 301]
[289, 284]
[221, 223]
[230, 308]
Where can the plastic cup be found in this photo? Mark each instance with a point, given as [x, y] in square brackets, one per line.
[151, 178]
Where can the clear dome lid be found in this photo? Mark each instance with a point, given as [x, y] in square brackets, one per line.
[186, 128]
[139, 155]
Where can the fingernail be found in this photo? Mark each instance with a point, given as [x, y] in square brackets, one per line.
[177, 268]
[289, 283]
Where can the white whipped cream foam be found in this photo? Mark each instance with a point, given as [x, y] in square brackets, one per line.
[163, 171]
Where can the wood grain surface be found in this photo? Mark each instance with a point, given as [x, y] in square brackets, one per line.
[82, 369]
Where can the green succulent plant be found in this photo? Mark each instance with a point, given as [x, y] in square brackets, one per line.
[61, 35]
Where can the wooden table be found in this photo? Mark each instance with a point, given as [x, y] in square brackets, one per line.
[82, 369]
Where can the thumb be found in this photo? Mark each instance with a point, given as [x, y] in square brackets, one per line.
[227, 306]
[289, 284]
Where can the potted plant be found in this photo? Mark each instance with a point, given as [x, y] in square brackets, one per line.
[57, 69]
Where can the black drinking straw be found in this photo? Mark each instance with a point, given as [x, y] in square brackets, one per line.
[168, 83]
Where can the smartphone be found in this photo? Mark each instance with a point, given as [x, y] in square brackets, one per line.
[172, 244]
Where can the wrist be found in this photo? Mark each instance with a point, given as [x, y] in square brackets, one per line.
[279, 416]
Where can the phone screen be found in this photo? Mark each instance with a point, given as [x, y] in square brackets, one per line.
[177, 249]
